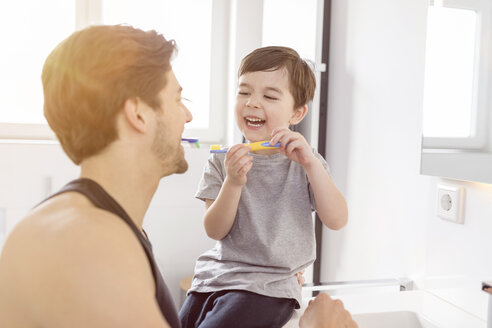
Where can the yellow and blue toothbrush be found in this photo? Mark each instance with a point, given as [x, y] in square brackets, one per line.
[254, 146]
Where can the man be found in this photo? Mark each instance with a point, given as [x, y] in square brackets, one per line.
[81, 258]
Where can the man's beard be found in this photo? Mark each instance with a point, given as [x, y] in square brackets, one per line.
[171, 155]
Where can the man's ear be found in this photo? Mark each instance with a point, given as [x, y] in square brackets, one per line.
[134, 114]
[299, 114]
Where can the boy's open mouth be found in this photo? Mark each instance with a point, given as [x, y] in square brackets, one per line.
[254, 121]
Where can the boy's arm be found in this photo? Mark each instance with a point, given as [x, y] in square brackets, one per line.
[330, 203]
[220, 214]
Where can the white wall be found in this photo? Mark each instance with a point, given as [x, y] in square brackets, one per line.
[374, 134]
[462, 250]
[173, 221]
[25, 173]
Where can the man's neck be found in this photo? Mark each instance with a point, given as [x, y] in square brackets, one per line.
[130, 185]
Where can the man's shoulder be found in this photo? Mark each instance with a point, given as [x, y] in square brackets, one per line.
[65, 248]
[63, 239]
[67, 219]
[68, 252]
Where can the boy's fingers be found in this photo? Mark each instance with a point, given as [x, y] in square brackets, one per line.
[234, 149]
[286, 139]
[274, 138]
[279, 136]
[236, 162]
[236, 152]
[276, 131]
[245, 169]
[243, 161]
[292, 146]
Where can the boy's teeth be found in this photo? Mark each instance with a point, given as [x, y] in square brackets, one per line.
[255, 125]
[256, 122]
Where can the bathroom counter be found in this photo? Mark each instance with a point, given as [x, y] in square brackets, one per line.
[463, 292]
[426, 305]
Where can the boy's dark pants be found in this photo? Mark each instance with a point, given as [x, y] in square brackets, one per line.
[235, 309]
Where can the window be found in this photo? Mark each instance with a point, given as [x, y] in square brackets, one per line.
[279, 27]
[33, 28]
[298, 24]
[28, 36]
[167, 17]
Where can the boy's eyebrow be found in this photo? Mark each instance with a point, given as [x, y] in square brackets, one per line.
[242, 84]
[246, 85]
[274, 89]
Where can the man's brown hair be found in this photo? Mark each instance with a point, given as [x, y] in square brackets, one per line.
[88, 77]
[301, 78]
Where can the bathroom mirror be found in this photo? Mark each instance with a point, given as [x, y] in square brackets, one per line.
[457, 106]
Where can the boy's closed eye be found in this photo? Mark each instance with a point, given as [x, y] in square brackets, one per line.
[270, 97]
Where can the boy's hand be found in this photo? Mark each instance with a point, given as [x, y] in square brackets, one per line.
[300, 278]
[238, 163]
[297, 149]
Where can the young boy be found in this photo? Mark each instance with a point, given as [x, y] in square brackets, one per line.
[259, 204]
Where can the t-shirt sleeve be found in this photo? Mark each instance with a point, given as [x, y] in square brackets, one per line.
[212, 178]
[327, 168]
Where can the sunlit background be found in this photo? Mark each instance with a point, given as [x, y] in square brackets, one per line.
[30, 29]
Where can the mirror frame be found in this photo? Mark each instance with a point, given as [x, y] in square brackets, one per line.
[461, 164]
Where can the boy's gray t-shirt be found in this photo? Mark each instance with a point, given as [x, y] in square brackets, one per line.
[272, 237]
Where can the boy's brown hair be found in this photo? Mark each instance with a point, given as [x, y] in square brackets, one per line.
[301, 77]
[88, 77]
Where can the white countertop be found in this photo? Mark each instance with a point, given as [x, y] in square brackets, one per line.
[435, 309]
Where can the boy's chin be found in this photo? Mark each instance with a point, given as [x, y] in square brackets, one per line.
[255, 137]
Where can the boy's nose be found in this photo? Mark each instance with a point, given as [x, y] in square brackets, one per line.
[253, 102]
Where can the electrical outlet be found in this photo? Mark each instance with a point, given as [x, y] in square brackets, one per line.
[450, 203]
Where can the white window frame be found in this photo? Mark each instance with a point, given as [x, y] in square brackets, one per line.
[26, 131]
[89, 12]
[481, 98]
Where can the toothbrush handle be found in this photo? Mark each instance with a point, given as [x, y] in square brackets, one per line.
[267, 144]
[262, 145]
[254, 146]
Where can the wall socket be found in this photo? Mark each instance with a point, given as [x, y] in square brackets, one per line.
[450, 203]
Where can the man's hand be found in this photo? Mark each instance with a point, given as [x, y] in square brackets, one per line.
[324, 312]
[294, 146]
[238, 163]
